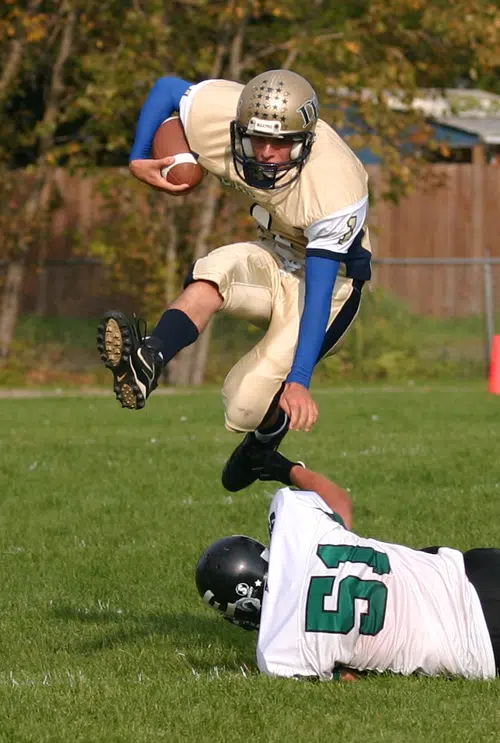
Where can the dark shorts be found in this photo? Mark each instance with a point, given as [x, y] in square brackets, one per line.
[482, 567]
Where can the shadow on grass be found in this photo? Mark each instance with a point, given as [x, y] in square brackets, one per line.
[192, 633]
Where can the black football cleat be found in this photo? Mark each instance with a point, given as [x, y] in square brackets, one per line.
[247, 461]
[134, 359]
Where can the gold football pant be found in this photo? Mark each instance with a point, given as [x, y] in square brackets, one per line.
[259, 286]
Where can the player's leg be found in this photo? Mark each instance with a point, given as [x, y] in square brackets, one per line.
[253, 387]
[136, 359]
[243, 466]
[482, 567]
[217, 281]
[266, 366]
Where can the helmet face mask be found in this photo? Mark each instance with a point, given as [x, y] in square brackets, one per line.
[231, 576]
[276, 104]
[246, 613]
[267, 175]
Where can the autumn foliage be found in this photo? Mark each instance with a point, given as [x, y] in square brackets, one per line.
[75, 73]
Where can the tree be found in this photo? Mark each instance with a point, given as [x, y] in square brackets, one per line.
[101, 60]
[42, 91]
[40, 183]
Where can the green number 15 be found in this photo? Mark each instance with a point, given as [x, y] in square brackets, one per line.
[341, 620]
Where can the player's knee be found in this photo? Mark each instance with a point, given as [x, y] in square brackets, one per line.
[246, 406]
[244, 413]
[199, 280]
[220, 267]
[242, 418]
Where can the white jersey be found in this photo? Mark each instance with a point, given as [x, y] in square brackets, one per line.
[334, 598]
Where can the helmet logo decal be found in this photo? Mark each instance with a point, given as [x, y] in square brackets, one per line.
[242, 589]
[309, 111]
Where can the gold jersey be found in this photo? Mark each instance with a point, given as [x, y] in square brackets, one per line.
[324, 210]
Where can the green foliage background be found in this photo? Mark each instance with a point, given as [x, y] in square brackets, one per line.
[386, 343]
[75, 73]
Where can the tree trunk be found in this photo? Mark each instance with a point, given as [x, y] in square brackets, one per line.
[192, 360]
[200, 355]
[37, 204]
[42, 276]
[14, 56]
[11, 298]
[171, 256]
[171, 288]
[191, 363]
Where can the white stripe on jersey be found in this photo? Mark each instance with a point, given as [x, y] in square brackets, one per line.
[338, 231]
[379, 606]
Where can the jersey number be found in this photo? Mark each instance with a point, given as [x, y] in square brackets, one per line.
[341, 620]
[351, 223]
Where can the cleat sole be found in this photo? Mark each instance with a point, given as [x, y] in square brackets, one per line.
[114, 344]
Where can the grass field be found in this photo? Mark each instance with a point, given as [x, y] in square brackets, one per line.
[103, 516]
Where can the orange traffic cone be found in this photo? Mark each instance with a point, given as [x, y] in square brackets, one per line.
[494, 380]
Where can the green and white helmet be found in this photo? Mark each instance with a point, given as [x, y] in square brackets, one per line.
[279, 104]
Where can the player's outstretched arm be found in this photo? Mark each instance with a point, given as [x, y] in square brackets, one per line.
[296, 400]
[275, 466]
[334, 496]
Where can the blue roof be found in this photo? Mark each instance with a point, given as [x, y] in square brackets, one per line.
[452, 136]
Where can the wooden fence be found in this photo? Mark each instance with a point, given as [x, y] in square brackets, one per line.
[459, 219]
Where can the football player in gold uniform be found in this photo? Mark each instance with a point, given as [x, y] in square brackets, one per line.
[302, 275]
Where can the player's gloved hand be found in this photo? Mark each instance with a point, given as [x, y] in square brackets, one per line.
[277, 467]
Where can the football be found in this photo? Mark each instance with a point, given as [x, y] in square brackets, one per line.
[170, 141]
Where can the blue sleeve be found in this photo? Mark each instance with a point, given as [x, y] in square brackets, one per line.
[320, 279]
[162, 101]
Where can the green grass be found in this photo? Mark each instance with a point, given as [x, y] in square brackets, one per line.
[104, 512]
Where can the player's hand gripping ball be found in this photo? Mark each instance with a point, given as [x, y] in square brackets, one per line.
[170, 141]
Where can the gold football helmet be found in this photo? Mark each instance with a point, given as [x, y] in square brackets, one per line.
[276, 104]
